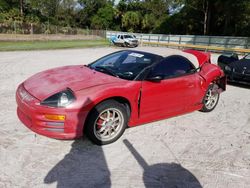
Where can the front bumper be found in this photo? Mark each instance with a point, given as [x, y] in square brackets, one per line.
[133, 43]
[32, 115]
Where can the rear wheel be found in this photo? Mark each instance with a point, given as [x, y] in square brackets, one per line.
[106, 122]
[211, 98]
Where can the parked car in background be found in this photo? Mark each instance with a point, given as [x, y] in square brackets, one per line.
[125, 88]
[227, 58]
[237, 70]
[125, 40]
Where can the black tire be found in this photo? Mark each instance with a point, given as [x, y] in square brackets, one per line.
[92, 128]
[127, 44]
[210, 107]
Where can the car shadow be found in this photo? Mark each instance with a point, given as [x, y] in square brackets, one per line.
[169, 175]
[83, 166]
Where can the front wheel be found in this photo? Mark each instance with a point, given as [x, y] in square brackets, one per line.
[106, 122]
[211, 98]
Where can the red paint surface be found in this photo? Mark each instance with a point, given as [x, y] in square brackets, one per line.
[158, 100]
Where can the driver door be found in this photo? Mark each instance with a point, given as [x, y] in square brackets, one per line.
[173, 93]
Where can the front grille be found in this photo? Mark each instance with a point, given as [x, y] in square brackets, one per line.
[59, 130]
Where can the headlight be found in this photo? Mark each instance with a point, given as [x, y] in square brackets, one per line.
[61, 99]
[24, 95]
[227, 68]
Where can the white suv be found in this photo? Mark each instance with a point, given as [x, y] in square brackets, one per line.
[125, 40]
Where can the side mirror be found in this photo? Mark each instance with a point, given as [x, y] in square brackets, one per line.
[157, 78]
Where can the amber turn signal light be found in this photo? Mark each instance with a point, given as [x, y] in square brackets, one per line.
[55, 117]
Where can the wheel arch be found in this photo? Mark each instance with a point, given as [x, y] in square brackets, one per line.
[212, 74]
[120, 99]
[218, 80]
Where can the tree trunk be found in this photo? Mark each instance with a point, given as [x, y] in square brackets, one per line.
[21, 7]
[207, 16]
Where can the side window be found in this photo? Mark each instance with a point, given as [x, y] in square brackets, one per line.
[173, 66]
[121, 36]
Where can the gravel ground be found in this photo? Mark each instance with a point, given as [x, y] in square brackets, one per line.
[193, 150]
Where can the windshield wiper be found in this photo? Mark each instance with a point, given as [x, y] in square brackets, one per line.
[104, 69]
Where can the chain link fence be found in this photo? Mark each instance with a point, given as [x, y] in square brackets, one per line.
[18, 30]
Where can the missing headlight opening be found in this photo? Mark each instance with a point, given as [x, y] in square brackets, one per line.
[61, 99]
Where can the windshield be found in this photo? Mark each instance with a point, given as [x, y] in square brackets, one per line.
[124, 64]
[128, 37]
[230, 54]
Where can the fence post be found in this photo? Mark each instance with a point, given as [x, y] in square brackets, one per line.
[179, 42]
[158, 40]
[141, 40]
[209, 41]
[247, 42]
[194, 39]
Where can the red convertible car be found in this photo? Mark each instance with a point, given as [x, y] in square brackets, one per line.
[125, 88]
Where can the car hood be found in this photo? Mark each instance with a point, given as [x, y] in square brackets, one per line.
[131, 39]
[44, 84]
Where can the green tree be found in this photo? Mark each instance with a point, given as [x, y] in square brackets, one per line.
[158, 8]
[89, 9]
[213, 17]
[208, 17]
[4, 5]
[149, 22]
[48, 8]
[67, 13]
[150, 13]
[104, 18]
[131, 21]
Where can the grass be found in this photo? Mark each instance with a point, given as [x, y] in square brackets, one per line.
[48, 45]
